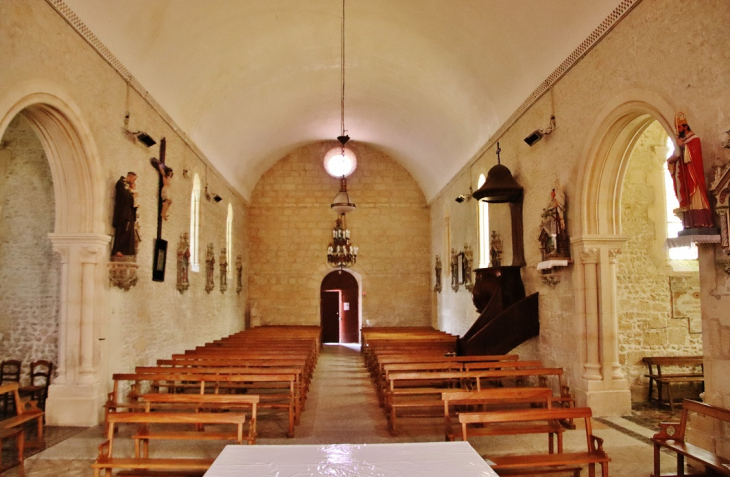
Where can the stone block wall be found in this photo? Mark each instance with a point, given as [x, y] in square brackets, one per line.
[629, 65]
[291, 227]
[649, 324]
[152, 320]
[29, 270]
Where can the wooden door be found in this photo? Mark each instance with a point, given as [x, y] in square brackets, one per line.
[330, 319]
[346, 285]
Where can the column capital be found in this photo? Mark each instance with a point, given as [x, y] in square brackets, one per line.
[88, 246]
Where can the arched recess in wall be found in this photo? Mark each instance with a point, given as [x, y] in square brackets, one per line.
[602, 383]
[79, 238]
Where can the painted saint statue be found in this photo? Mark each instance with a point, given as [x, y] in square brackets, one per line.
[688, 176]
[125, 216]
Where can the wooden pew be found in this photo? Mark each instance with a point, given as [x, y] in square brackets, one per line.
[106, 460]
[502, 398]
[231, 370]
[689, 374]
[198, 403]
[276, 391]
[673, 436]
[530, 464]
[24, 412]
[422, 390]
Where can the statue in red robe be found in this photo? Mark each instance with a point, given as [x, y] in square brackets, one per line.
[688, 175]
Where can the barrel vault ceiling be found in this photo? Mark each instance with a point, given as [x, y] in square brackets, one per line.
[427, 81]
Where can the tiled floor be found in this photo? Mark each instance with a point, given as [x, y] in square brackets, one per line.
[342, 408]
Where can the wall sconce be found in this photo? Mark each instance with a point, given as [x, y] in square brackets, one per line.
[537, 134]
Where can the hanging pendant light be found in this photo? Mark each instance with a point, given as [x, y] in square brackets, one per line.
[342, 204]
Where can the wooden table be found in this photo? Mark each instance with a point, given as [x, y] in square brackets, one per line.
[424, 459]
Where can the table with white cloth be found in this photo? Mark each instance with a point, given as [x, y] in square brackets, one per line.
[423, 459]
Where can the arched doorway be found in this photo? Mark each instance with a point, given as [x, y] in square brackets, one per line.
[339, 308]
[602, 382]
[29, 268]
[80, 240]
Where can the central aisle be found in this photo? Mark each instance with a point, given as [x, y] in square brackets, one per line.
[342, 407]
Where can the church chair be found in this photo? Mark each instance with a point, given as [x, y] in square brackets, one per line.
[40, 379]
[9, 373]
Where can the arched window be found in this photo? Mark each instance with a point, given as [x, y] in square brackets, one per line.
[674, 224]
[229, 239]
[483, 211]
[195, 224]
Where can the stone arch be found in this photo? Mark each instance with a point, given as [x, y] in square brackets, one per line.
[598, 242]
[72, 156]
[79, 237]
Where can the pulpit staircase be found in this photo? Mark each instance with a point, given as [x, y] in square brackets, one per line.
[507, 317]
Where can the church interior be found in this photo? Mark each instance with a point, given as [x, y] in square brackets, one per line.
[331, 180]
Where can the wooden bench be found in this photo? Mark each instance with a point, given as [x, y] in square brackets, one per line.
[205, 402]
[275, 390]
[233, 370]
[531, 464]
[25, 412]
[501, 397]
[422, 390]
[672, 436]
[19, 434]
[662, 378]
[106, 461]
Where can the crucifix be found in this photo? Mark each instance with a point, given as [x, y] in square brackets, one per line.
[163, 206]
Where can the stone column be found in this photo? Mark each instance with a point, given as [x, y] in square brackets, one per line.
[89, 256]
[604, 386]
[592, 367]
[76, 397]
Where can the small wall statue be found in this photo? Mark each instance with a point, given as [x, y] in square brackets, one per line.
[554, 240]
[437, 288]
[209, 269]
[122, 266]
[183, 263]
[125, 216]
[688, 176]
[495, 250]
[239, 273]
[223, 264]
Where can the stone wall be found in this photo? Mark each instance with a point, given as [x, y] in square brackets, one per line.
[291, 226]
[647, 287]
[635, 62]
[29, 270]
[45, 56]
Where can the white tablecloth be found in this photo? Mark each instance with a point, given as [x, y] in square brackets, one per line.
[423, 459]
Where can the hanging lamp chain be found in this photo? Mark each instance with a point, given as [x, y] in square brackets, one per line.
[342, 74]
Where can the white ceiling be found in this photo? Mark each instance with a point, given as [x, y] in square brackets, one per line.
[427, 81]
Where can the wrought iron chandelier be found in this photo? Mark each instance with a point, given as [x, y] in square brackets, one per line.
[341, 253]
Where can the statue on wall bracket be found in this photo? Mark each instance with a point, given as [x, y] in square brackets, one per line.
[688, 177]
[495, 250]
[223, 264]
[183, 263]
[209, 268]
[437, 287]
[720, 188]
[554, 240]
[123, 266]
[239, 273]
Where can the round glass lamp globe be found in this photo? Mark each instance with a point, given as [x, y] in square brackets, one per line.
[338, 165]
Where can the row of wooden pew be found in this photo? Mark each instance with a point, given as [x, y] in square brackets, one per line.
[223, 383]
[416, 372]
